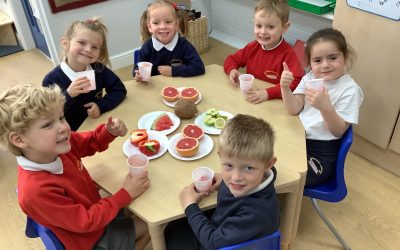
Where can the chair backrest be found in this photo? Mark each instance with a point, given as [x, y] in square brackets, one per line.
[136, 56]
[34, 230]
[299, 47]
[269, 242]
[335, 189]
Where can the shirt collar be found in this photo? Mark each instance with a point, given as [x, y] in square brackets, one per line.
[72, 75]
[55, 167]
[263, 184]
[274, 46]
[157, 45]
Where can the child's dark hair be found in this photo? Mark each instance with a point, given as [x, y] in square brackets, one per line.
[181, 16]
[332, 35]
[280, 7]
[94, 24]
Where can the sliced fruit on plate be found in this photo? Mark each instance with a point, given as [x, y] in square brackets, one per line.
[170, 94]
[219, 122]
[191, 94]
[162, 122]
[193, 131]
[187, 146]
[137, 136]
[149, 147]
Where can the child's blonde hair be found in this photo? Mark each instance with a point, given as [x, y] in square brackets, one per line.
[21, 105]
[179, 13]
[96, 25]
[334, 36]
[280, 7]
[246, 136]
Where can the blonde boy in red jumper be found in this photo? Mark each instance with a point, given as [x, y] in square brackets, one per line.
[54, 187]
[264, 57]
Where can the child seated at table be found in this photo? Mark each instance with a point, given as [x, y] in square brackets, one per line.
[263, 57]
[170, 53]
[54, 187]
[247, 204]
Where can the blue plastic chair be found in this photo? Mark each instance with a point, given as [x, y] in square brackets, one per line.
[135, 60]
[49, 239]
[269, 242]
[335, 189]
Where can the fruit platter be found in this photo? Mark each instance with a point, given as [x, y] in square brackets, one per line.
[191, 144]
[212, 121]
[171, 95]
[153, 144]
[162, 121]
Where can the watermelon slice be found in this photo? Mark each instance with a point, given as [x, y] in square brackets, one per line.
[162, 122]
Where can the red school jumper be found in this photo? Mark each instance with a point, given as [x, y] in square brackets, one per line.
[69, 203]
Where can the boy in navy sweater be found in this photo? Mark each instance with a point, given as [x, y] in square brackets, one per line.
[247, 204]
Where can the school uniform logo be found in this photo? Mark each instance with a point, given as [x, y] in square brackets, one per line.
[269, 74]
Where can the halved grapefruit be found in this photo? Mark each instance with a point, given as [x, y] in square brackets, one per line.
[193, 131]
[187, 146]
[191, 94]
[170, 94]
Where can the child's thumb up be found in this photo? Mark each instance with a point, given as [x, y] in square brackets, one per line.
[285, 67]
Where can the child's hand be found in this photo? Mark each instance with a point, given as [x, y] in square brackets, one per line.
[318, 99]
[165, 70]
[216, 182]
[256, 96]
[79, 86]
[116, 127]
[234, 77]
[93, 110]
[138, 77]
[189, 196]
[136, 184]
[286, 77]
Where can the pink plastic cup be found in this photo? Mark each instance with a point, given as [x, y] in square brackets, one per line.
[145, 70]
[203, 177]
[246, 82]
[137, 163]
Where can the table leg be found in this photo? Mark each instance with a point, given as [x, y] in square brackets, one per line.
[287, 218]
[157, 236]
[298, 206]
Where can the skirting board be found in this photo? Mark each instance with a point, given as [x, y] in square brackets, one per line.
[386, 159]
[122, 59]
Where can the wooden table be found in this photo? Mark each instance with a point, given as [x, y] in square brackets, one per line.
[160, 204]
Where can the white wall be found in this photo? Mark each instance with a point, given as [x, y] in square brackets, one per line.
[120, 16]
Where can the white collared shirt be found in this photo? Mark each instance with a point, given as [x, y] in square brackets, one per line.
[72, 75]
[262, 46]
[55, 167]
[157, 45]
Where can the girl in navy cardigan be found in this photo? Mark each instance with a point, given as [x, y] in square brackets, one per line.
[170, 54]
[85, 50]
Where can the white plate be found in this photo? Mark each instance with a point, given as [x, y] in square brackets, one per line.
[205, 147]
[130, 149]
[147, 120]
[210, 129]
[172, 104]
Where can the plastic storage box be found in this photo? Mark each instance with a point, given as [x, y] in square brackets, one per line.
[318, 7]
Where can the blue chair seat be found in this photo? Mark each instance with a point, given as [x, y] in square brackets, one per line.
[49, 239]
[335, 189]
[269, 242]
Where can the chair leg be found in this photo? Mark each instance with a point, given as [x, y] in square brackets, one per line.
[329, 224]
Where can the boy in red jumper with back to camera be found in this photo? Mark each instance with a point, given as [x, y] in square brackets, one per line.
[264, 56]
[54, 187]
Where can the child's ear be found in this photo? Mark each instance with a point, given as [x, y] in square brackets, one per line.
[285, 27]
[148, 26]
[271, 163]
[64, 42]
[17, 140]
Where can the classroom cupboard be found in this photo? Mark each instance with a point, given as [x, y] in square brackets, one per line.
[376, 70]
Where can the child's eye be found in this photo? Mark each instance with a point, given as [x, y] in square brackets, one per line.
[248, 168]
[317, 60]
[62, 118]
[81, 42]
[270, 27]
[258, 26]
[47, 125]
[95, 47]
[227, 166]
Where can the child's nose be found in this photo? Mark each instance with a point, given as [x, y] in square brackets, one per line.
[236, 175]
